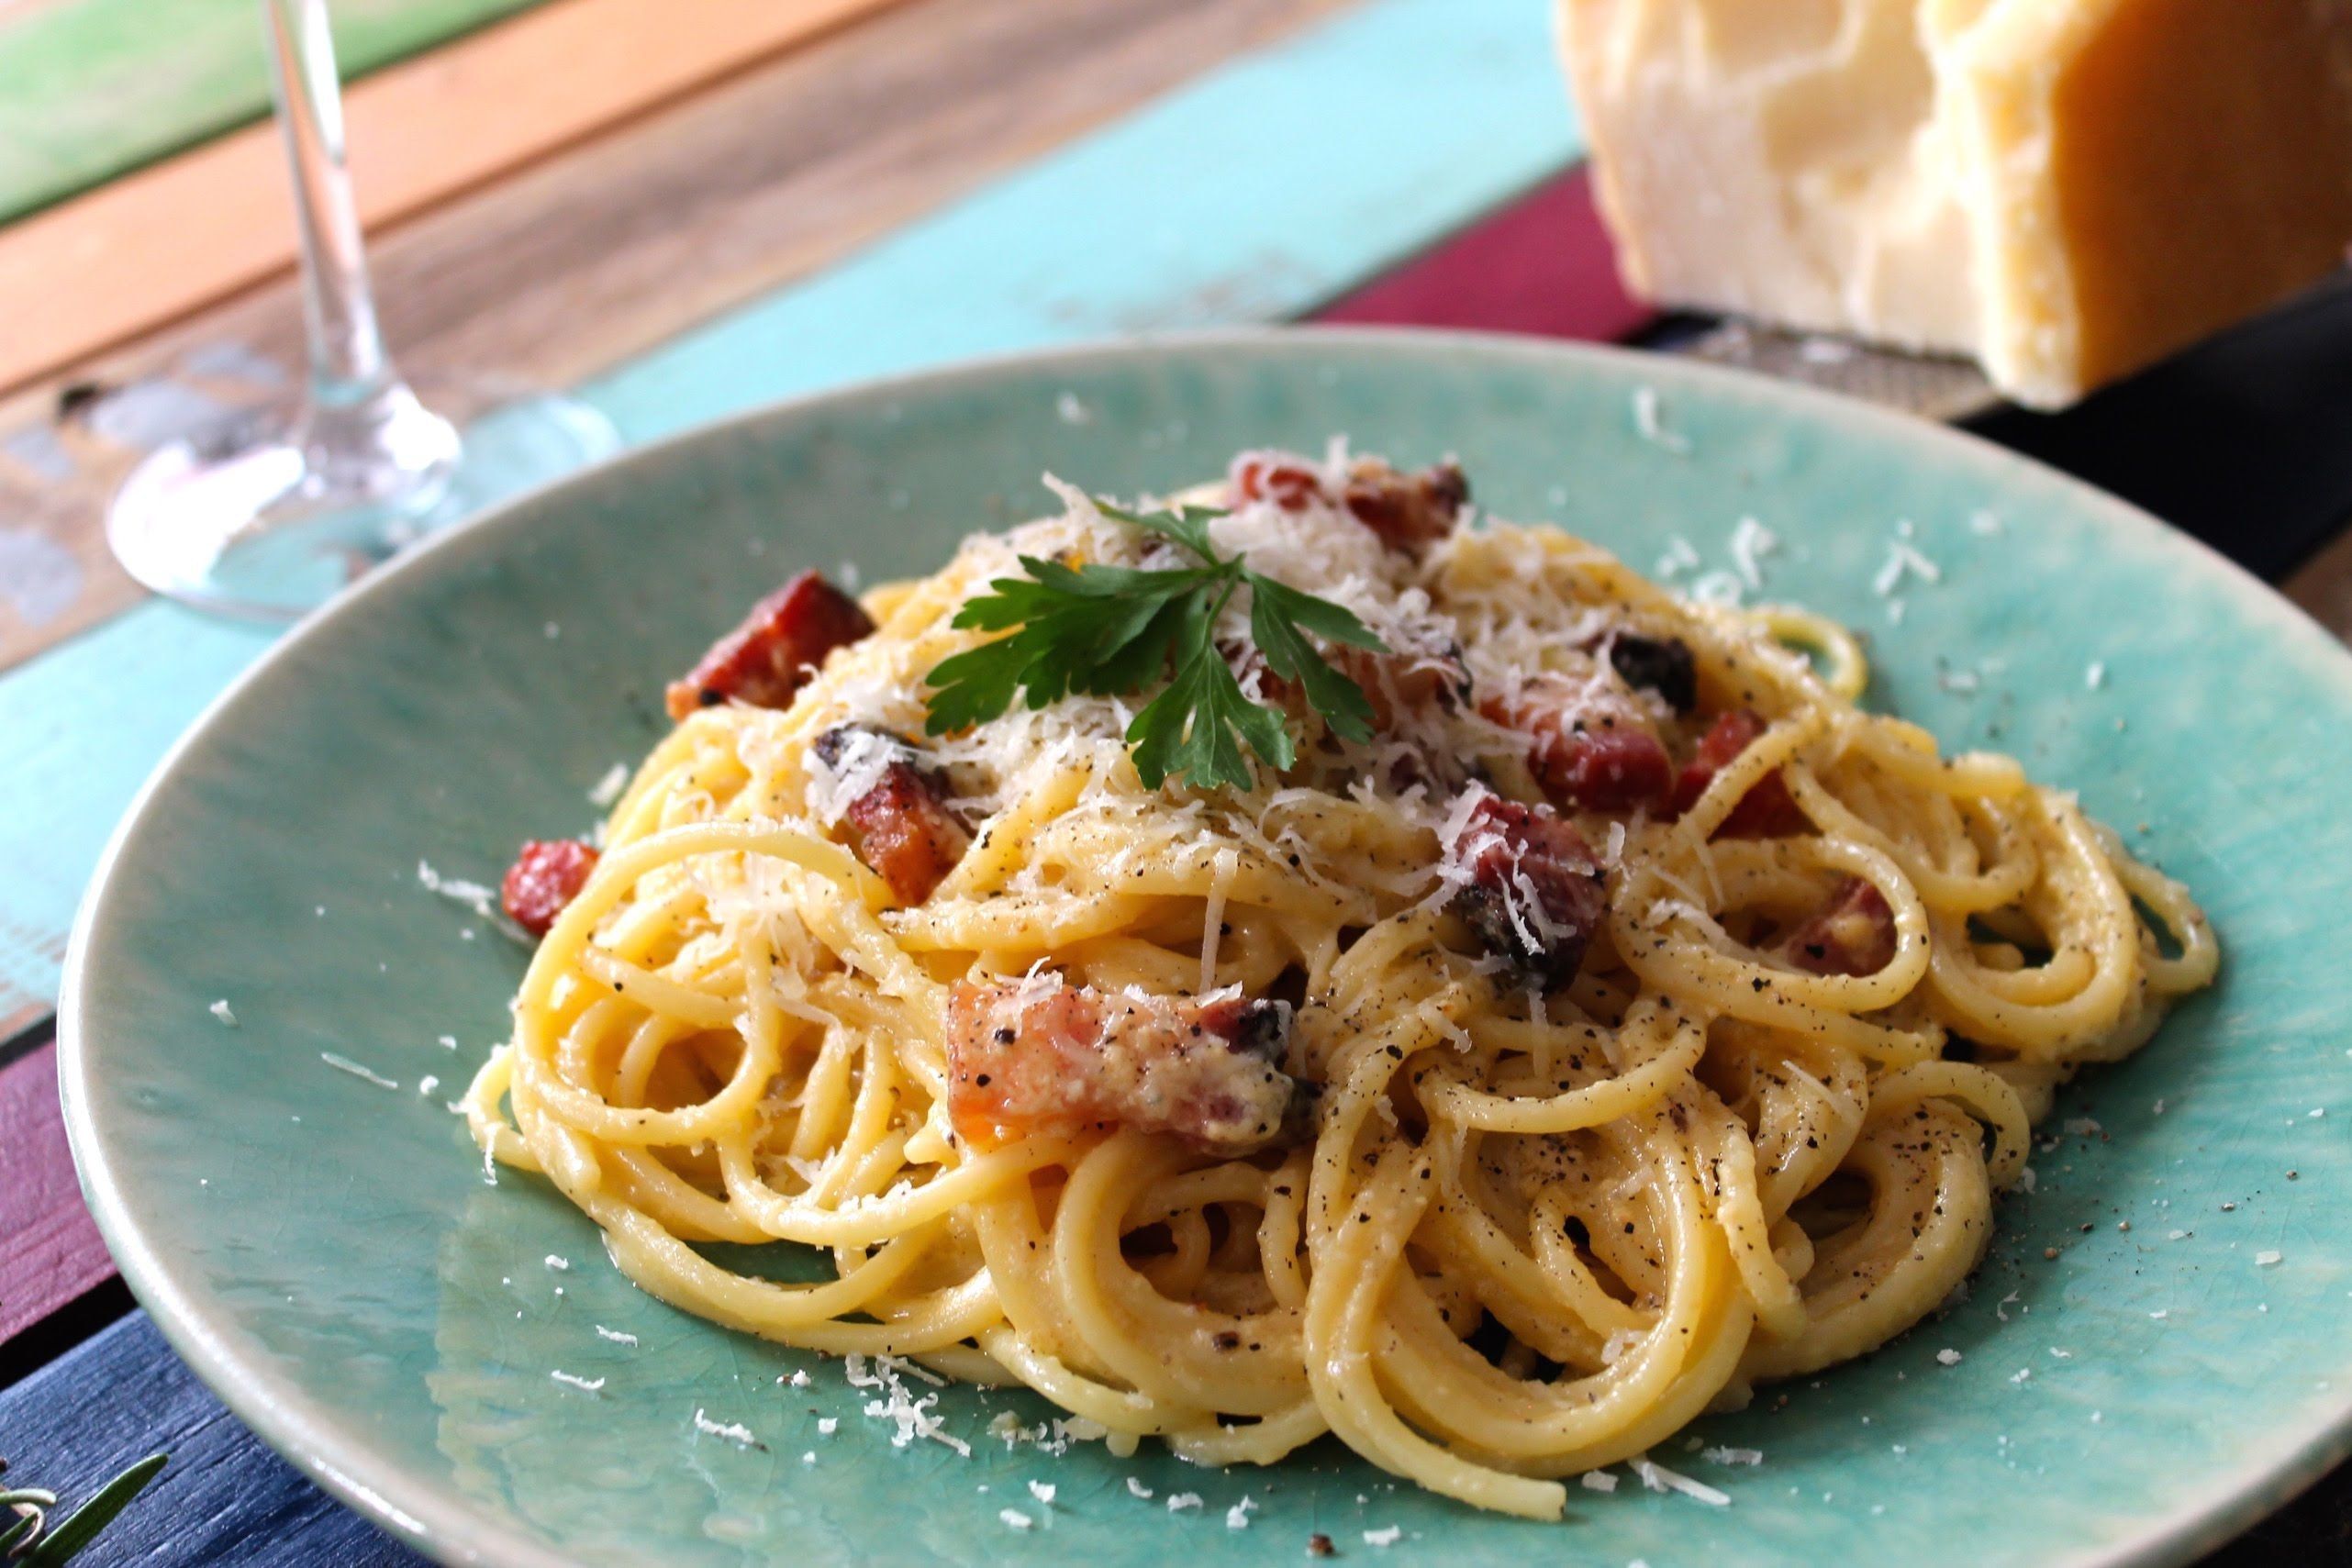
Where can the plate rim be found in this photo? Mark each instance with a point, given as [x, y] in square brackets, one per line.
[310, 1433]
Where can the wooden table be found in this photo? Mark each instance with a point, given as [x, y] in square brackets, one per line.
[790, 197]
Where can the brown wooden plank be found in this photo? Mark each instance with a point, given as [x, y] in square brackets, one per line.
[419, 132]
[2324, 587]
[51, 1253]
[614, 246]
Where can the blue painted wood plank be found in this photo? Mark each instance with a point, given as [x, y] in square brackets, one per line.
[1251, 193]
[223, 1499]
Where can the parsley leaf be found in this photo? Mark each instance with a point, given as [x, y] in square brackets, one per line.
[1279, 616]
[1188, 525]
[1094, 630]
[1108, 630]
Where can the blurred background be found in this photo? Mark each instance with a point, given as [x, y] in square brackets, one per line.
[2106, 233]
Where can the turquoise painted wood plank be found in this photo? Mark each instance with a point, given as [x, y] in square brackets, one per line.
[81, 727]
[1251, 193]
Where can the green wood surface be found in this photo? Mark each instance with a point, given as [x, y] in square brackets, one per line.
[91, 89]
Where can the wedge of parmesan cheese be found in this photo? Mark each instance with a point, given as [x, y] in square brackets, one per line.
[2065, 189]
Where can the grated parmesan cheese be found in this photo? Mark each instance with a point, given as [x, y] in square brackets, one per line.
[733, 1431]
[220, 1010]
[1183, 1500]
[608, 788]
[1649, 421]
[1948, 1357]
[615, 1335]
[835, 786]
[1138, 1489]
[482, 900]
[1387, 1537]
[1656, 1477]
[345, 1064]
[1903, 559]
[585, 1385]
[912, 1418]
[1723, 588]
[1751, 541]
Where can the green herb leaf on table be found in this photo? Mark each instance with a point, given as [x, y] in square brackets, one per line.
[1109, 631]
[26, 1542]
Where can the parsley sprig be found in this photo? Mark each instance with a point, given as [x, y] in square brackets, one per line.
[1107, 630]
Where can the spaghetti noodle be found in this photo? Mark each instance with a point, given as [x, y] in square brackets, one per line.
[1518, 1221]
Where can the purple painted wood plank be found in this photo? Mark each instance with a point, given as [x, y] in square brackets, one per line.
[52, 1253]
[1543, 265]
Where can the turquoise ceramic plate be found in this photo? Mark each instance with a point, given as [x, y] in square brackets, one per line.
[324, 1247]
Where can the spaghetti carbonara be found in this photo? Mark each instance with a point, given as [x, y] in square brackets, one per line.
[1629, 1020]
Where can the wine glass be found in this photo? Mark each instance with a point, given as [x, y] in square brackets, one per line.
[275, 509]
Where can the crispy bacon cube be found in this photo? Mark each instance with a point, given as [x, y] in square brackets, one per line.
[1408, 511]
[1535, 892]
[546, 876]
[1261, 476]
[1663, 665]
[771, 655]
[1398, 682]
[1039, 1055]
[1852, 933]
[1595, 753]
[1766, 811]
[899, 825]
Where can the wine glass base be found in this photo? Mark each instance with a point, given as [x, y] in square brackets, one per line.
[265, 517]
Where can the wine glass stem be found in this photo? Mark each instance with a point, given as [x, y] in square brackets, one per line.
[349, 367]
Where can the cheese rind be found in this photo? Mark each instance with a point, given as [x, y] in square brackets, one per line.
[2065, 189]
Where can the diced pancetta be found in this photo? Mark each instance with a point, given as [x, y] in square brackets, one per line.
[1852, 933]
[899, 824]
[1289, 483]
[546, 876]
[1590, 751]
[1535, 892]
[1394, 683]
[1409, 511]
[1039, 1055]
[1663, 665]
[771, 655]
[1768, 810]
